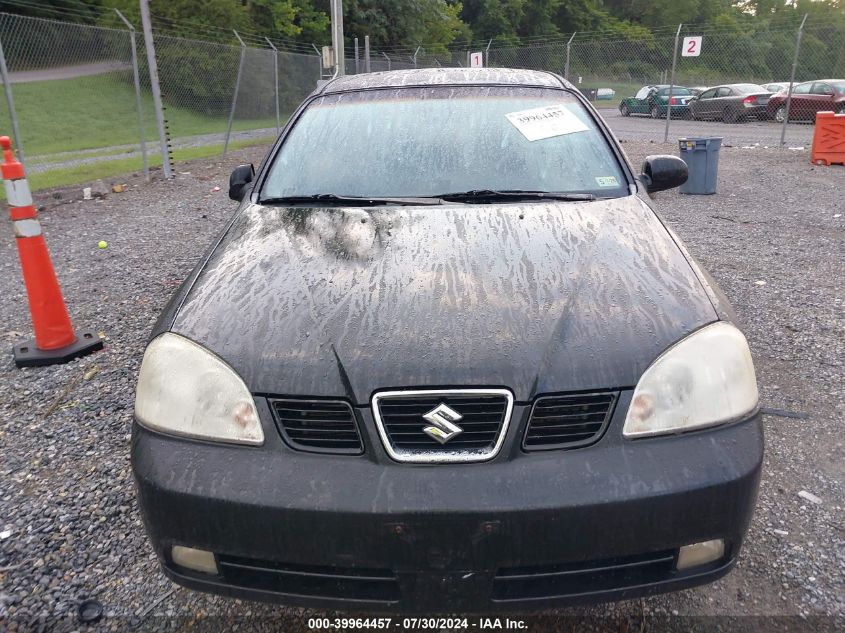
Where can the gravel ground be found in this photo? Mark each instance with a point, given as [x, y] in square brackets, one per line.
[774, 238]
[752, 132]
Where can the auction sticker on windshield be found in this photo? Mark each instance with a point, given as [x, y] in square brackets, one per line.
[546, 122]
[607, 181]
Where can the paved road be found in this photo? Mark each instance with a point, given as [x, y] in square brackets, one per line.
[764, 133]
[67, 72]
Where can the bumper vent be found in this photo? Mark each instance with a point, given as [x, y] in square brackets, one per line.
[347, 584]
[318, 426]
[559, 581]
[569, 421]
[482, 419]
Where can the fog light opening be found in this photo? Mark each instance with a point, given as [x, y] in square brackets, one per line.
[194, 559]
[700, 553]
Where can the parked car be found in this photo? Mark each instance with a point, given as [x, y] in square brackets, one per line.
[808, 99]
[446, 358]
[697, 90]
[776, 86]
[653, 100]
[731, 103]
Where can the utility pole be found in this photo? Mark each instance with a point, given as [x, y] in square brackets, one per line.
[337, 37]
[151, 62]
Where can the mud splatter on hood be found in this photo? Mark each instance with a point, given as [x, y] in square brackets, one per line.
[538, 298]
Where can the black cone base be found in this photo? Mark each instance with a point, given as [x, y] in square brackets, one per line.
[28, 355]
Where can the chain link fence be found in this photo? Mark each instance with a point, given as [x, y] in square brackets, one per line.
[612, 70]
[72, 90]
[79, 116]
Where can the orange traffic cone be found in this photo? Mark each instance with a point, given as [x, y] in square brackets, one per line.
[55, 341]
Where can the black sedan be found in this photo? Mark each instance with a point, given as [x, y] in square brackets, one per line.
[446, 358]
[731, 103]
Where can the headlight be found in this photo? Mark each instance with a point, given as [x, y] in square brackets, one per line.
[705, 379]
[184, 389]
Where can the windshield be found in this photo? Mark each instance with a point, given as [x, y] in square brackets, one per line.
[839, 86]
[418, 142]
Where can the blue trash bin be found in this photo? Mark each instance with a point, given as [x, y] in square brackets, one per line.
[702, 158]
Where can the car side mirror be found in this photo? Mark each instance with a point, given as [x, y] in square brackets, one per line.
[663, 172]
[240, 178]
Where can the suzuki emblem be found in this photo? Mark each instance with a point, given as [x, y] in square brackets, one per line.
[443, 427]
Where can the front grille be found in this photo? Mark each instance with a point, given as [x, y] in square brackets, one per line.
[558, 581]
[569, 421]
[484, 418]
[349, 584]
[318, 425]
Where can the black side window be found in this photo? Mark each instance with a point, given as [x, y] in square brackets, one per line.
[708, 94]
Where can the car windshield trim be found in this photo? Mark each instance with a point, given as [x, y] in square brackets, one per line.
[332, 198]
[515, 195]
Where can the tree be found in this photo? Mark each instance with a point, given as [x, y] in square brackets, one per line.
[405, 23]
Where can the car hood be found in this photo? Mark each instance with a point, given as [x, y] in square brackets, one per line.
[536, 297]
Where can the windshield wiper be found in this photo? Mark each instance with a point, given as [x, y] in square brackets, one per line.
[358, 201]
[481, 195]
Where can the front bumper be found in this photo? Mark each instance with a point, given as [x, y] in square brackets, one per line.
[522, 532]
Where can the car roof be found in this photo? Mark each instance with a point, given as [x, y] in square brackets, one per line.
[451, 76]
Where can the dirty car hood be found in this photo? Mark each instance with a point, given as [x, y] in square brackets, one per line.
[537, 298]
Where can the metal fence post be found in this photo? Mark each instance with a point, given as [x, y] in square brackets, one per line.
[414, 58]
[357, 59]
[568, 49]
[7, 87]
[387, 58]
[366, 53]
[336, 9]
[792, 80]
[671, 85]
[137, 93]
[235, 95]
[275, 81]
[319, 61]
[156, 90]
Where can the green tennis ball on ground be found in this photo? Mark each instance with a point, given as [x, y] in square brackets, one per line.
[103, 244]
